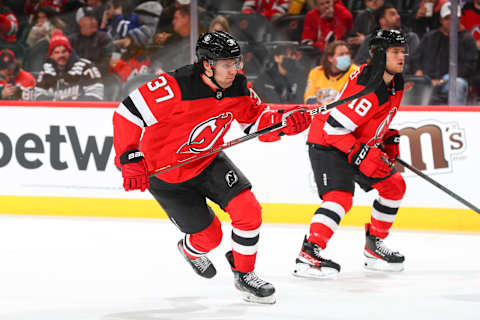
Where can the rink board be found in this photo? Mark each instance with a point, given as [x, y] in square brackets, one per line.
[57, 159]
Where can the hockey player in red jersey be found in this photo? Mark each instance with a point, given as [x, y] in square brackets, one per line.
[187, 112]
[353, 144]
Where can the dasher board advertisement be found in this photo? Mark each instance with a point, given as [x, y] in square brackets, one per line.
[66, 150]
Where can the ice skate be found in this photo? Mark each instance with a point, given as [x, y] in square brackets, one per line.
[310, 264]
[202, 266]
[253, 288]
[378, 256]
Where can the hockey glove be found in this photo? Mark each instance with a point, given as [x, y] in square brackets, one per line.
[297, 120]
[391, 144]
[134, 171]
[370, 161]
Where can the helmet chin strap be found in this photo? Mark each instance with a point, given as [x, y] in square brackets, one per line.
[212, 78]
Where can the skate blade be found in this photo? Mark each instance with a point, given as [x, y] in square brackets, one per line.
[303, 270]
[251, 298]
[381, 265]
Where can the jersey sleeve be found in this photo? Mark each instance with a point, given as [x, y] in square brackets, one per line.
[45, 82]
[248, 117]
[93, 88]
[146, 106]
[309, 28]
[345, 119]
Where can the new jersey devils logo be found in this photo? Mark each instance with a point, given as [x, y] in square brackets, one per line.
[204, 135]
[383, 127]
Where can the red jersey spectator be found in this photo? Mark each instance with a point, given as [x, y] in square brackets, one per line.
[471, 19]
[328, 22]
[15, 83]
[271, 9]
[8, 24]
[136, 59]
[31, 6]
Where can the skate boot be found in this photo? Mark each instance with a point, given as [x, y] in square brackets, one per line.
[253, 288]
[203, 266]
[378, 256]
[310, 264]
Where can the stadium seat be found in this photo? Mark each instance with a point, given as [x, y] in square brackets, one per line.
[418, 90]
[288, 28]
[255, 57]
[249, 27]
[230, 5]
[112, 87]
[35, 56]
[354, 6]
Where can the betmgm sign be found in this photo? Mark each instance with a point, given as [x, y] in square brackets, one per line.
[431, 146]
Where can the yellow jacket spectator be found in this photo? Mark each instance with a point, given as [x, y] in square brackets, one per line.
[327, 80]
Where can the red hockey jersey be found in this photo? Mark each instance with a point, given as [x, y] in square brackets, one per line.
[471, 20]
[180, 116]
[363, 120]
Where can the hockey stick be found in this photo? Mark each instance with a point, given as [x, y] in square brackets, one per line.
[438, 185]
[378, 61]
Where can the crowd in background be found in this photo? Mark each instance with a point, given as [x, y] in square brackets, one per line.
[295, 51]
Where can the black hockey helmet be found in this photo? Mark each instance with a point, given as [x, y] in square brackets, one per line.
[217, 45]
[386, 38]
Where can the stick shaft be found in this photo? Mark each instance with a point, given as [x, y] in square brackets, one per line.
[438, 185]
[373, 83]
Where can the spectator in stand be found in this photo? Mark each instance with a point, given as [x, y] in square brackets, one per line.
[277, 84]
[149, 14]
[119, 18]
[15, 83]
[8, 25]
[42, 28]
[175, 51]
[471, 19]
[220, 23]
[326, 23]
[32, 6]
[432, 59]
[327, 80]
[271, 9]
[136, 59]
[364, 23]
[91, 43]
[165, 23]
[388, 18]
[427, 16]
[65, 76]
[98, 7]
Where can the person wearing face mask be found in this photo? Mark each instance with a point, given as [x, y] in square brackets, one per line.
[327, 80]
[278, 83]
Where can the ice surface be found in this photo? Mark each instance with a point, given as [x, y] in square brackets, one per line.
[125, 269]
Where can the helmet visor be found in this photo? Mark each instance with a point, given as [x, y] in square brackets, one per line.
[228, 64]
